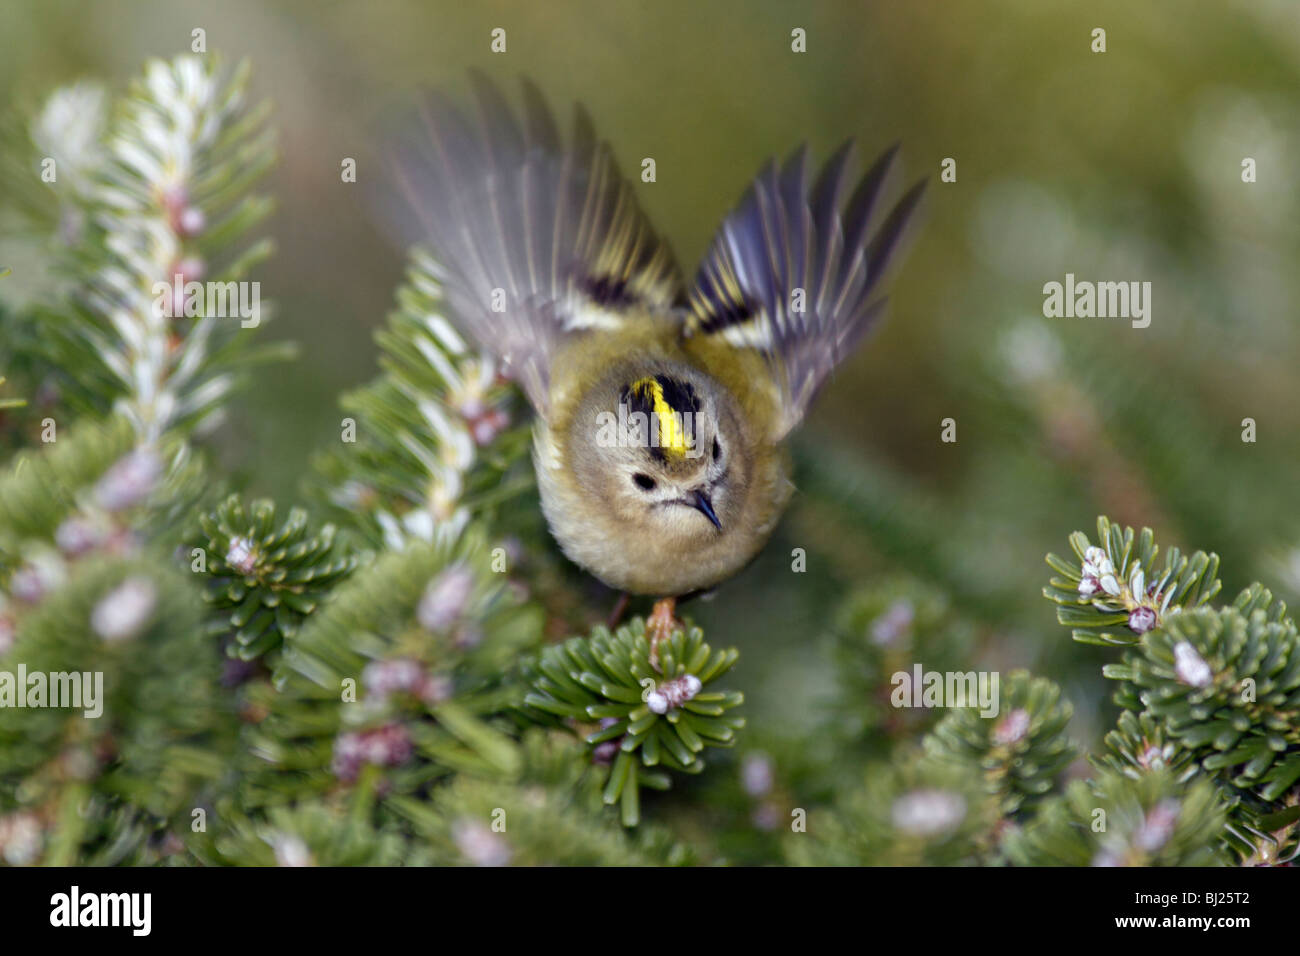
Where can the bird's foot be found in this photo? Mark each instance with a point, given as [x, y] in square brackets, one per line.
[620, 608]
[659, 626]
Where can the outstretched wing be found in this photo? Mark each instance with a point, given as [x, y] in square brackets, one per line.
[538, 240]
[792, 276]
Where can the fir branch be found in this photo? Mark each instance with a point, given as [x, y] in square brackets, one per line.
[914, 813]
[406, 672]
[434, 442]
[158, 736]
[880, 631]
[265, 578]
[549, 812]
[1021, 752]
[92, 491]
[57, 148]
[1209, 692]
[39, 489]
[647, 716]
[1117, 584]
[1139, 744]
[1228, 687]
[311, 833]
[165, 194]
[1117, 820]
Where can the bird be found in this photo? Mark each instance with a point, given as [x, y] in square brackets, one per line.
[662, 410]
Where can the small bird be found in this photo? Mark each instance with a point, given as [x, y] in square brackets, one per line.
[661, 411]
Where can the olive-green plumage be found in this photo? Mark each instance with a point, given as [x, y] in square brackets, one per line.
[661, 411]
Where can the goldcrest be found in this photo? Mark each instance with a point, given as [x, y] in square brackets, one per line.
[661, 410]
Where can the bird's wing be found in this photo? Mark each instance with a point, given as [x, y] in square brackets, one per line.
[537, 239]
[792, 276]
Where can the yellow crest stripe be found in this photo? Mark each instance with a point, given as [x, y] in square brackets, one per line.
[672, 437]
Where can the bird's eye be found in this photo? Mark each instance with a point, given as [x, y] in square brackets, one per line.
[717, 450]
[644, 482]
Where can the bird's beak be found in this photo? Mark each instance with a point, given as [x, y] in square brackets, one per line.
[705, 507]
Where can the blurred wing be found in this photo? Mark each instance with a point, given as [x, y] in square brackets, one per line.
[537, 240]
[782, 239]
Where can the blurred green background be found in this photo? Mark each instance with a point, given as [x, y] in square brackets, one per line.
[1117, 166]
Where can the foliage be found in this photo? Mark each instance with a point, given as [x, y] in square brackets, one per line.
[7, 402]
[163, 191]
[129, 628]
[1117, 583]
[1116, 821]
[266, 577]
[658, 713]
[434, 442]
[916, 814]
[1021, 752]
[404, 672]
[1209, 694]
[880, 631]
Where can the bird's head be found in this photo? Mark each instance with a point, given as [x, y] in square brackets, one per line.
[661, 453]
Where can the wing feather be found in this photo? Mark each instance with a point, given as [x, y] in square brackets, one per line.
[504, 205]
[784, 237]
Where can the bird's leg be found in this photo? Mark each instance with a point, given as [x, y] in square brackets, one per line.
[659, 626]
[620, 608]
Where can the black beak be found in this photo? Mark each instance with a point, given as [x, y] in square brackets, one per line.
[705, 507]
